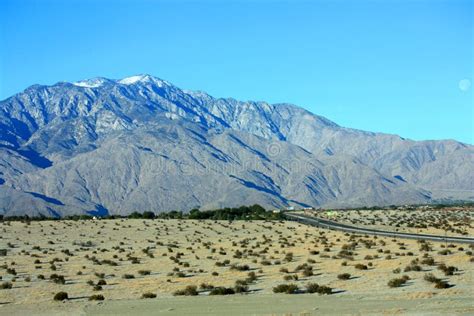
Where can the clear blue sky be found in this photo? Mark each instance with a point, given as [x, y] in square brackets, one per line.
[385, 66]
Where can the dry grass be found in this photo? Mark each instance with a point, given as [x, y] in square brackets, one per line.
[127, 259]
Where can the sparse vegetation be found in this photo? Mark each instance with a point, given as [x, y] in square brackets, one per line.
[285, 288]
[61, 296]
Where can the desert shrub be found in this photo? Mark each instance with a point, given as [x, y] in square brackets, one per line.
[444, 252]
[360, 266]
[428, 261]
[447, 270]
[101, 282]
[215, 273]
[344, 276]
[430, 278]
[240, 268]
[206, 286]
[308, 272]
[190, 290]
[222, 291]
[324, 290]
[6, 285]
[96, 297]
[241, 288]
[11, 271]
[148, 295]
[58, 279]
[397, 270]
[291, 277]
[440, 284]
[285, 288]
[144, 272]
[412, 267]
[128, 276]
[312, 287]
[251, 277]
[425, 247]
[397, 282]
[97, 288]
[316, 288]
[60, 296]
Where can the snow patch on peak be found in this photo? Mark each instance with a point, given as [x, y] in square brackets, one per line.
[90, 83]
[132, 79]
[144, 79]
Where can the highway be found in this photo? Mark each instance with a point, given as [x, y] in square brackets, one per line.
[324, 223]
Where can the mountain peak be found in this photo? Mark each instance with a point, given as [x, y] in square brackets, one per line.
[143, 78]
[131, 80]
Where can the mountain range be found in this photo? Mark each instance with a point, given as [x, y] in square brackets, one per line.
[103, 146]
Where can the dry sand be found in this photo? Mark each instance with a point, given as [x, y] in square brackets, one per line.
[196, 246]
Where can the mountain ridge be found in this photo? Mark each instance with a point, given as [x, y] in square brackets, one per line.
[44, 127]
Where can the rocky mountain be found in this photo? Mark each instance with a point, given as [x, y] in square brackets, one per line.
[103, 146]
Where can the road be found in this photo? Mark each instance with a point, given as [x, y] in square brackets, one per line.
[324, 223]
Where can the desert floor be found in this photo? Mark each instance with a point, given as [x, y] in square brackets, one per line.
[131, 257]
[450, 222]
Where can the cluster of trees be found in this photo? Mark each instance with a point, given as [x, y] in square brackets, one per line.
[253, 212]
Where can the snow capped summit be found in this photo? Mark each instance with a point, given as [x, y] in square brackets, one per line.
[143, 79]
[91, 83]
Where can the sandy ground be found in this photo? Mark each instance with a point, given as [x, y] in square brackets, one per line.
[161, 247]
[450, 222]
[278, 304]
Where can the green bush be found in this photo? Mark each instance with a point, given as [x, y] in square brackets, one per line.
[6, 285]
[320, 289]
[206, 286]
[240, 268]
[148, 295]
[440, 284]
[360, 266]
[96, 297]
[290, 277]
[190, 290]
[430, 278]
[144, 272]
[285, 288]
[398, 282]
[222, 291]
[60, 296]
[97, 288]
[312, 287]
[58, 279]
[344, 276]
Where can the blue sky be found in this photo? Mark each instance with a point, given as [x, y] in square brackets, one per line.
[384, 66]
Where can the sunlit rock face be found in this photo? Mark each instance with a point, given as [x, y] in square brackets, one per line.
[104, 146]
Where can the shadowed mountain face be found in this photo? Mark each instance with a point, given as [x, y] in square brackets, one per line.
[104, 146]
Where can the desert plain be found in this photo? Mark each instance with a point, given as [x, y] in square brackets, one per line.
[184, 267]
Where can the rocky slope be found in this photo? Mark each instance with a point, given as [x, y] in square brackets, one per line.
[140, 143]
